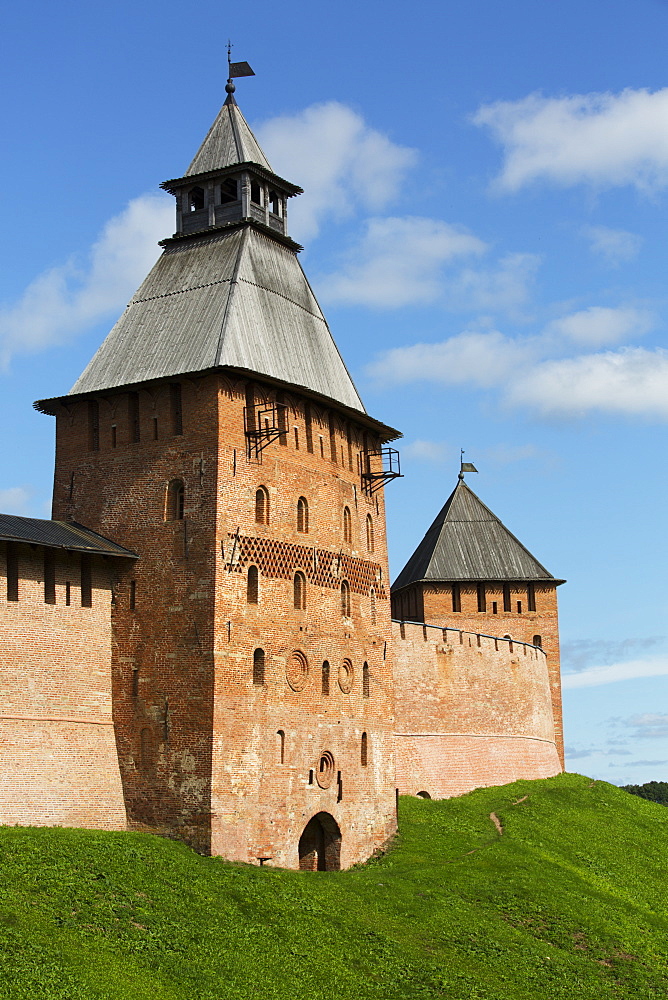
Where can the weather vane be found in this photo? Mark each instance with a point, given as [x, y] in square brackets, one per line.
[235, 69]
[465, 466]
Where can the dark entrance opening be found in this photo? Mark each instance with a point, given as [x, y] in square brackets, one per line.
[320, 845]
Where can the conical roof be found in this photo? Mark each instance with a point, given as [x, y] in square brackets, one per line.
[228, 141]
[468, 542]
[238, 298]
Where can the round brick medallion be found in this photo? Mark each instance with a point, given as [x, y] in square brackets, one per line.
[325, 769]
[296, 671]
[346, 674]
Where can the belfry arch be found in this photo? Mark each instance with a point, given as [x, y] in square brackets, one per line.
[320, 845]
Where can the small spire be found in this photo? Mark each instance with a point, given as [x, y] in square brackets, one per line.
[464, 466]
[234, 70]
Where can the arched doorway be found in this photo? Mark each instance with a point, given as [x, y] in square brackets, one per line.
[320, 845]
[423, 795]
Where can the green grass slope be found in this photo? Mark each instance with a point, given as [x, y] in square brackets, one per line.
[568, 901]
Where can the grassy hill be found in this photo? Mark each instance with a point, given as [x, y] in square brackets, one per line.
[569, 900]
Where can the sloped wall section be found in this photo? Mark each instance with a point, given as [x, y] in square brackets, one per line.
[471, 711]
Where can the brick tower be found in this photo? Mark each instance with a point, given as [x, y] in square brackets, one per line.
[471, 573]
[218, 434]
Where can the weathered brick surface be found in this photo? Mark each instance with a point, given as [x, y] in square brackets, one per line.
[57, 749]
[433, 603]
[470, 711]
[198, 740]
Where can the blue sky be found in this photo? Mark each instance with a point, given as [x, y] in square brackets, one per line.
[484, 217]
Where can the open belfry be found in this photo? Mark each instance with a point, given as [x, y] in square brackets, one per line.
[200, 643]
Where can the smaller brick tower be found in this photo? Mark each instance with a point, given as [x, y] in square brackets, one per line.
[470, 573]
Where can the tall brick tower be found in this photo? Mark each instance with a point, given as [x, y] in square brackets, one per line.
[470, 572]
[218, 434]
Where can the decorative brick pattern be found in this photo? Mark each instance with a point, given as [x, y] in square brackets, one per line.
[280, 560]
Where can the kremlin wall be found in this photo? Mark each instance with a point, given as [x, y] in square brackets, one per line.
[201, 643]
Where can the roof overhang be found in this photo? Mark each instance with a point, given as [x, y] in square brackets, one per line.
[68, 536]
[519, 579]
[177, 183]
[386, 433]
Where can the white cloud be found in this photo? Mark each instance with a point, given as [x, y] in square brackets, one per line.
[649, 725]
[578, 654]
[14, 500]
[398, 262]
[632, 381]
[504, 286]
[340, 161]
[484, 359]
[66, 299]
[598, 325]
[609, 674]
[600, 138]
[614, 245]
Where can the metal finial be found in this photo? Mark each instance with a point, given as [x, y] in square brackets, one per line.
[229, 86]
[464, 466]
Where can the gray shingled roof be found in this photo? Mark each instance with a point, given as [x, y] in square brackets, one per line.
[58, 535]
[228, 141]
[468, 542]
[238, 299]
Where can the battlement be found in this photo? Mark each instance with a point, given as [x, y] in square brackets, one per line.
[471, 710]
[453, 637]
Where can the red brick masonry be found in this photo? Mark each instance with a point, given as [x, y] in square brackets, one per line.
[470, 712]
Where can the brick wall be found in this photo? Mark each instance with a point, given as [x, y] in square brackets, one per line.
[57, 749]
[198, 739]
[432, 602]
[470, 711]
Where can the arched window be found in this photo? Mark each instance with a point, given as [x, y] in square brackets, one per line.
[300, 591]
[252, 585]
[262, 505]
[258, 668]
[196, 199]
[369, 533]
[364, 750]
[302, 515]
[365, 680]
[345, 599]
[281, 746]
[347, 525]
[538, 641]
[175, 500]
[325, 677]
